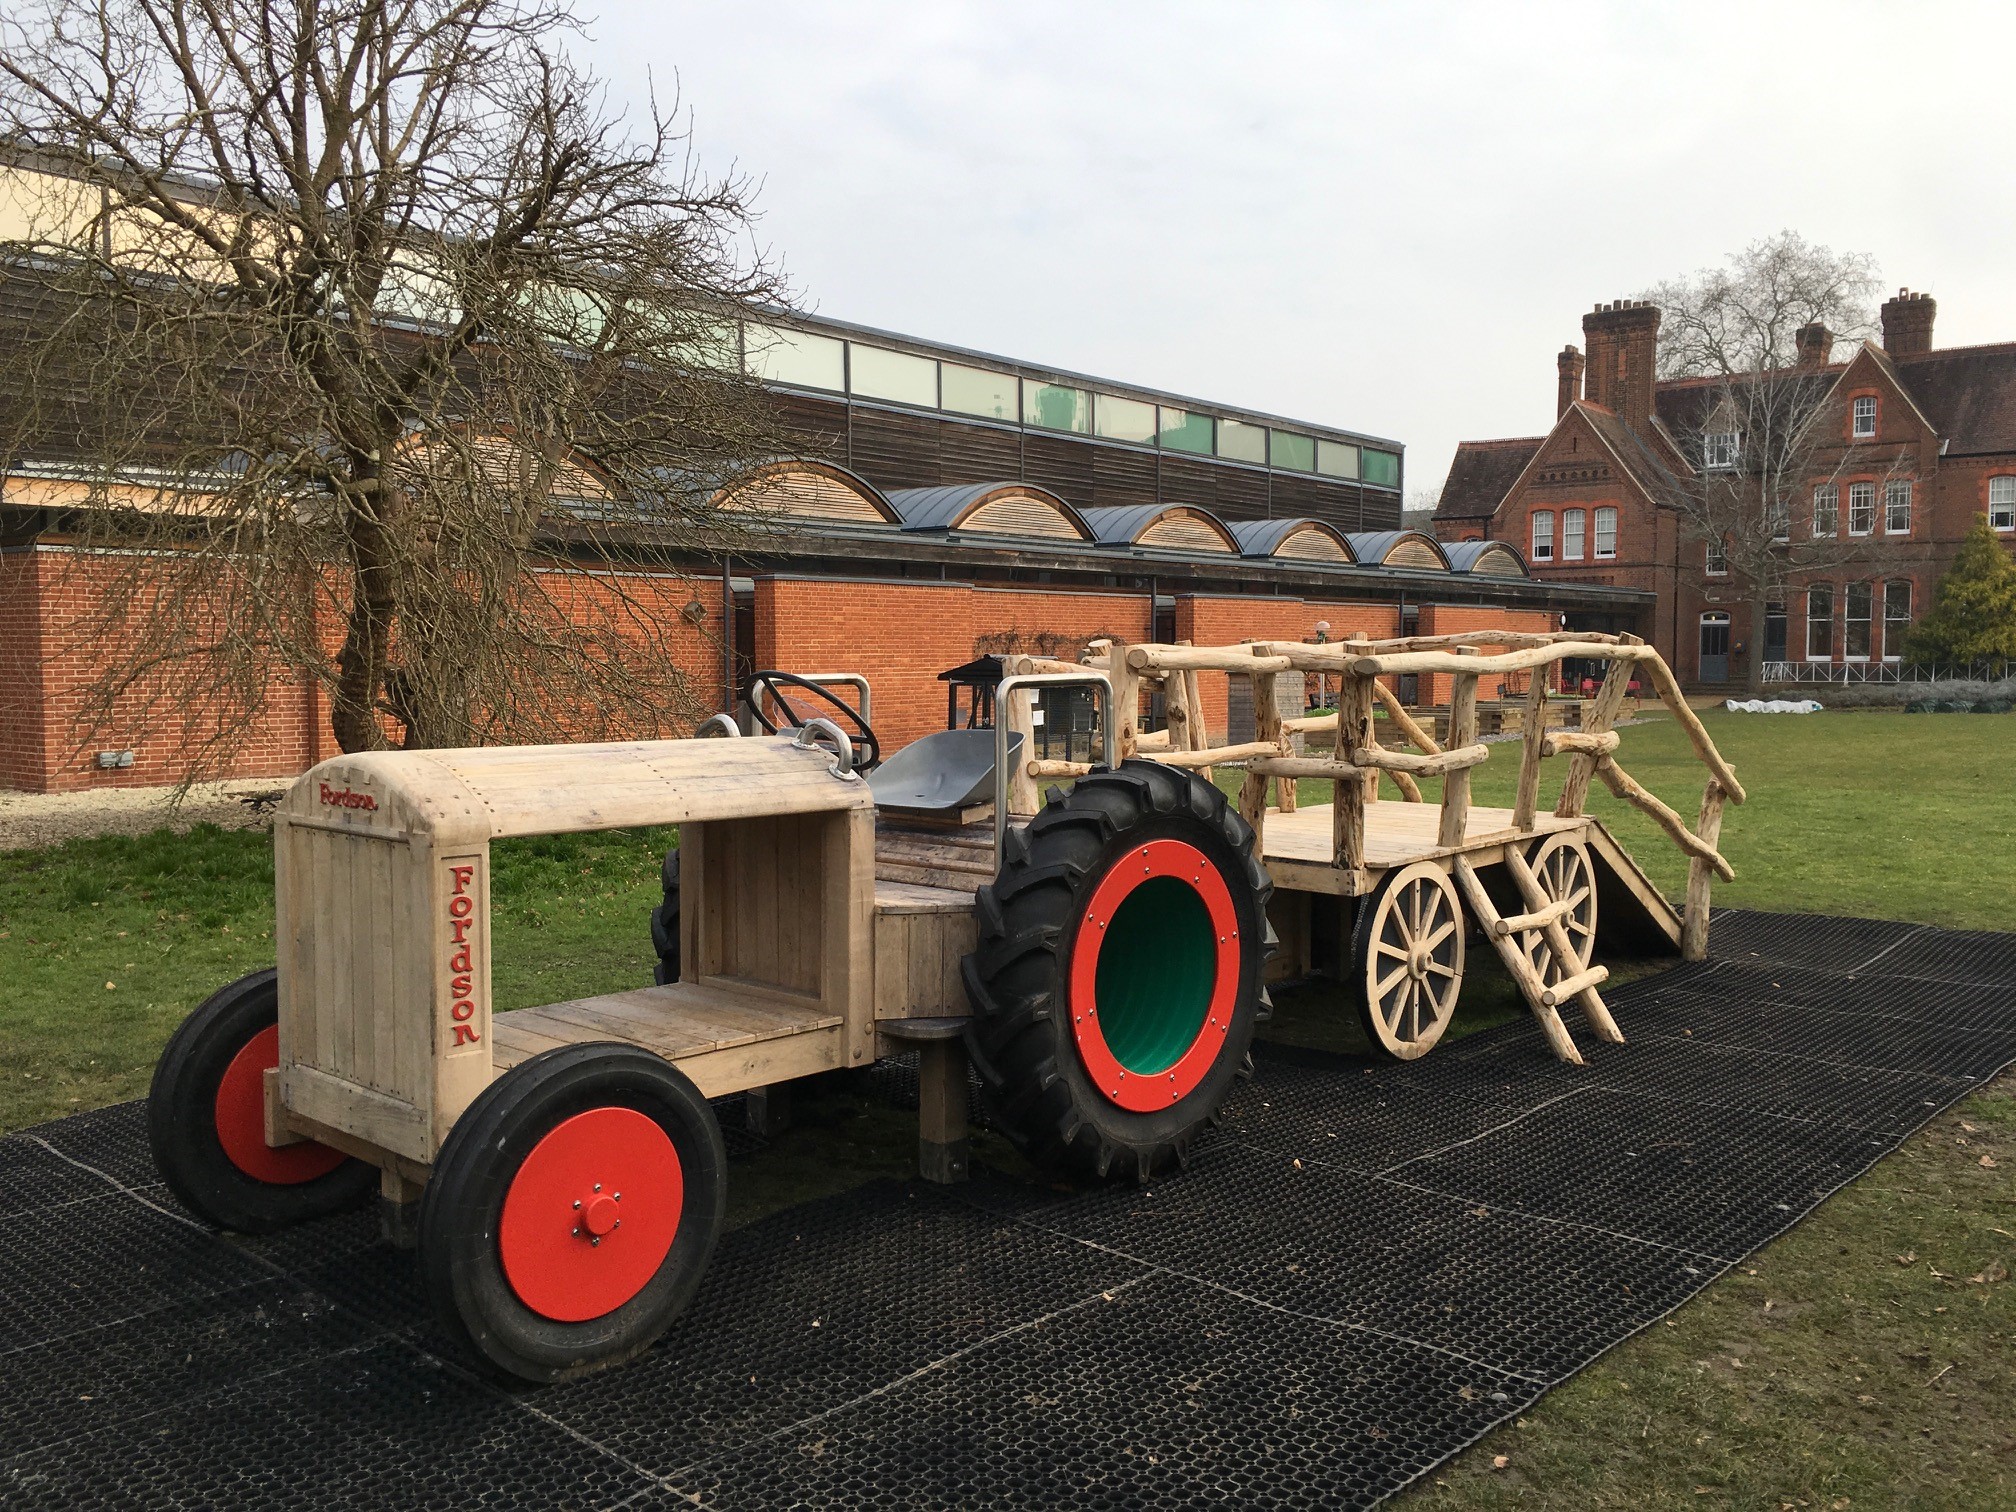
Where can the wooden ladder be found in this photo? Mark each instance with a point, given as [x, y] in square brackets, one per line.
[1511, 936]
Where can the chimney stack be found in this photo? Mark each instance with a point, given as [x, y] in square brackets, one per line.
[1907, 323]
[1623, 342]
[1570, 365]
[1816, 345]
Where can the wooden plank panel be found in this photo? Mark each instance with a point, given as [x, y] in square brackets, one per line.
[370, 871]
[330, 949]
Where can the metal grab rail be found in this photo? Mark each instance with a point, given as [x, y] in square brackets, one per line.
[865, 707]
[1109, 737]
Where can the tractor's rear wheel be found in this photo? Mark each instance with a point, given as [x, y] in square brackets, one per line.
[665, 922]
[573, 1210]
[1117, 978]
[206, 1121]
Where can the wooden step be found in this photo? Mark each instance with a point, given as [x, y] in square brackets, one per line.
[725, 1038]
[898, 897]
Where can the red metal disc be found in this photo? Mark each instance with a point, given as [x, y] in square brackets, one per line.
[241, 1120]
[591, 1214]
[1135, 1092]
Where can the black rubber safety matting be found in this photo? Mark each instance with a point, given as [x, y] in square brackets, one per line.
[1367, 1268]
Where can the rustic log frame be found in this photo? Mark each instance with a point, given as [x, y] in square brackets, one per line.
[1358, 759]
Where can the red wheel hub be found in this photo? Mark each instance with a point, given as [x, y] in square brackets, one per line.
[1166, 1085]
[591, 1214]
[241, 1120]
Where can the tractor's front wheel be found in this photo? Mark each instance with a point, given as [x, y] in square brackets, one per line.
[573, 1210]
[206, 1121]
[1117, 978]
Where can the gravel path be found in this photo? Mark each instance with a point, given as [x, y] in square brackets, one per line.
[30, 820]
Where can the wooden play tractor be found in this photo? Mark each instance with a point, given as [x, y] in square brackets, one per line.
[1101, 964]
[560, 1167]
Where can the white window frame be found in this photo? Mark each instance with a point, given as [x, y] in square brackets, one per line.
[2004, 505]
[1864, 410]
[1781, 523]
[1540, 548]
[1869, 620]
[1719, 449]
[1574, 534]
[1833, 601]
[1895, 652]
[1830, 494]
[1715, 557]
[1606, 530]
[1866, 491]
[1893, 490]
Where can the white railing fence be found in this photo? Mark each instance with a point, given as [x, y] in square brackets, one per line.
[1885, 671]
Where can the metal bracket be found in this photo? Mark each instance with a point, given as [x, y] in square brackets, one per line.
[1109, 738]
[829, 737]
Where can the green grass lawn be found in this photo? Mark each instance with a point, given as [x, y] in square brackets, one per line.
[1867, 1359]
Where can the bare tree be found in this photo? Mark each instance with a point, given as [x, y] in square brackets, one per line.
[1419, 511]
[374, 351]
[1754, 426]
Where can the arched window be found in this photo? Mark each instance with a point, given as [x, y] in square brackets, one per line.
[1543, 536]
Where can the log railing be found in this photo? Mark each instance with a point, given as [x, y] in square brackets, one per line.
[1357, 759]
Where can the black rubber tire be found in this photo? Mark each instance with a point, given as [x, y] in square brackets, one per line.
[460, 1262]
[665, 922]
[182, 1122]
[1020, 1039]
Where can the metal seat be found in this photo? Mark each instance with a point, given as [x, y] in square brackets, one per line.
[942, 773]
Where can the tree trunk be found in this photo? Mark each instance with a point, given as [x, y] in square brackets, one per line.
[1753, 646]
[367, 641]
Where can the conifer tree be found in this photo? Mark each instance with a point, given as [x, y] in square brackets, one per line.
[1973, 614]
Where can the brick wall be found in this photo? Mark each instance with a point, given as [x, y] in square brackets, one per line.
[49, 663]
[23, 760]
[902, 635]
[1225, 620]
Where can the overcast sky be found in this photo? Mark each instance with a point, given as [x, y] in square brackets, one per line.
[1387, 218]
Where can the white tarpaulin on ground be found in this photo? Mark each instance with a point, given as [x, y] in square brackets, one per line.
[1772, 705]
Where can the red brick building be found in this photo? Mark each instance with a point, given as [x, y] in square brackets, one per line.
[1919, 441]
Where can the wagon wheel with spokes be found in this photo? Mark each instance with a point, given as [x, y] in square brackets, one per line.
[1561, 865]
[1409, 954]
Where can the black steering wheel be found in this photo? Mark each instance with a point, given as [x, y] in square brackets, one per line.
[867, 750]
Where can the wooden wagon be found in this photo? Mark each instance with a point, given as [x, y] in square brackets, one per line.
[1099, 957]
[1531, 879]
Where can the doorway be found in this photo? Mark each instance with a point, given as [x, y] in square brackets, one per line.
[1714, 647]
